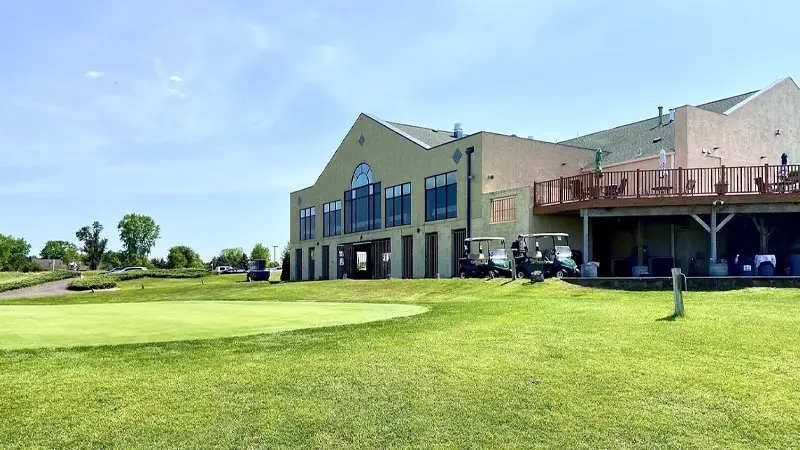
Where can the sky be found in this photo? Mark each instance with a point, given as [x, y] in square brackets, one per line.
[205, 114]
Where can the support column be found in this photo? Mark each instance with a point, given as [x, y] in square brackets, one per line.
[764, 234]
[585, 214]
[672, 243]
[713, 234]
[639, 243]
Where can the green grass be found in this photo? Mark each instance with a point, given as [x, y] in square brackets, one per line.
[490, 365]
[129, 323]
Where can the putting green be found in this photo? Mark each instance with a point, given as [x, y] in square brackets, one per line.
[31, 326]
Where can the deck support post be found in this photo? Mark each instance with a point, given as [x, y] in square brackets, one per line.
[764, 234]
[713, 228]
[639, 241]
[585, 214]
[672, 243]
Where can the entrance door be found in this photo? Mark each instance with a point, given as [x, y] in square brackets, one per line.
[344, 261]
[408, 256]
[312, 273]
[298, 264]
[382, 258]
[431, 255]
[364, 264]
[458, 250]
[326, 262]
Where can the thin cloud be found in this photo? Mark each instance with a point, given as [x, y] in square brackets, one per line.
[95, 74]
[175, 78]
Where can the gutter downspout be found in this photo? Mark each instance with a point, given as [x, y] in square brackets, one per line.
[469, 151]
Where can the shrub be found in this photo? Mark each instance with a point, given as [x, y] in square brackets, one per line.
[108, 281]
[40, 278]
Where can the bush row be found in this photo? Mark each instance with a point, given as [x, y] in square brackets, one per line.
[108, 281]
[39, 278]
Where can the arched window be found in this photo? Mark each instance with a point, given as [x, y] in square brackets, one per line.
[362, 176]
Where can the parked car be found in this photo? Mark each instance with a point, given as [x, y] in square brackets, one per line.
[130, 269]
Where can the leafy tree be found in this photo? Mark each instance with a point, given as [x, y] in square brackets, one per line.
[159, 263]
[181, 256]
[285, 263]
[14, 254]
[138, 234]
[243, 261]
[93, 245]
[260, 252]
[113, 259]
[65, 251]
[231, 256]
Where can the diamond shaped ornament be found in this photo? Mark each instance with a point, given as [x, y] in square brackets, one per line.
[361, 140]
[457, 156]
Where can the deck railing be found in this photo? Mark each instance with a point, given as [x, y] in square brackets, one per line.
[678, 182]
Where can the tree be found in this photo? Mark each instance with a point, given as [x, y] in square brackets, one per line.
[181, 256]
[231, 256]
[113, 259]
[285, 261]
[159, 263]
[14, 254]
[243, 261]
[65, 251]
[138, 234]
[93, 245]
[260, 252]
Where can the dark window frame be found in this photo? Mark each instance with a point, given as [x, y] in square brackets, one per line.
[332, 218]
[308, 223]
[444, 188]
[403, 200]
[369, 197]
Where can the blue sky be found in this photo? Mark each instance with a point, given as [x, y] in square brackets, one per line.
[206, 114]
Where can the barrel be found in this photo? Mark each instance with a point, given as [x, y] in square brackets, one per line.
[590, 269]
[795, 265]
[718, 269]
[766, 269]
[639, 271]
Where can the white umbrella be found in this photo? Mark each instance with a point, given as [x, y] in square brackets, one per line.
[662, 162]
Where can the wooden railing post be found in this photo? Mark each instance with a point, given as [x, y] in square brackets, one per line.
[638, 183]
[560, 189]
[680, 180]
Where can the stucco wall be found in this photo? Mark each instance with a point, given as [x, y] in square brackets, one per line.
[649, 163]
[516, 162]
[748, 133]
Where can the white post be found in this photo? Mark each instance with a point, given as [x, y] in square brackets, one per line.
[677, 289]
[713, 234]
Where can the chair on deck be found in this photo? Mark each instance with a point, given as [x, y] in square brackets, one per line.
[763, 188]
[622, 186]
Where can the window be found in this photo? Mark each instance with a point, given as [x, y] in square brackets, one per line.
[504, 209]
[308, 223]
[362, 208]
[440, 196]
[398, 205]
[332, 218]
[362, 176]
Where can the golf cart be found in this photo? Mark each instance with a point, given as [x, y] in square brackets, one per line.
[552, 256]
[257, 270]
[490, 261]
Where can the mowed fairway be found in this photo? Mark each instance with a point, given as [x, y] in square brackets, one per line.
[490, 365]
[30, 326]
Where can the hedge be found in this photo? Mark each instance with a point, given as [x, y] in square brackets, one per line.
[108, 281]
[37, 279]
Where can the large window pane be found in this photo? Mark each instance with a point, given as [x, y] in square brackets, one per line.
[406, 210]
[389, 212]
[452, 192]
[430, 205]
[441, 202]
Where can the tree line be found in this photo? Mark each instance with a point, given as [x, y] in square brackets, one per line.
[138, 234]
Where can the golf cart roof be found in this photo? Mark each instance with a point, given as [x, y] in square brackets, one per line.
[484, 239]
[536, 235]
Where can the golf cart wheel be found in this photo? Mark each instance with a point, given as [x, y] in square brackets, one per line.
[462, 274]
[520, 275]
[492, 275]
[560, 274]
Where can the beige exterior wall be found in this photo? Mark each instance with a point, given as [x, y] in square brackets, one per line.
[748, 133]
[394, 160]
[515, 162]
[648, 163]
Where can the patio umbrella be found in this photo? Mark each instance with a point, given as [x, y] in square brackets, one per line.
[597, 157]
[662, 162]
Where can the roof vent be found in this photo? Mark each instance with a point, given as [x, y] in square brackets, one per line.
[660, 115]
[672, 115]
[514, 135]
[530, 137]
[457, 131]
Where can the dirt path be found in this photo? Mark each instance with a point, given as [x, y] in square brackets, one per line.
[42, 290]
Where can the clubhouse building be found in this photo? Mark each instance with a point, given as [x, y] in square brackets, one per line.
[691, 187]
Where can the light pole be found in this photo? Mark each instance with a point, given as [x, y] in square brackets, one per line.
[275, 253]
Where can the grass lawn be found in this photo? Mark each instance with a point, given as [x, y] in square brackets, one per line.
[490, 365]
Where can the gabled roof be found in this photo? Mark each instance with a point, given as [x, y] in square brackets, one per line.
[430, 136]
[646, 137]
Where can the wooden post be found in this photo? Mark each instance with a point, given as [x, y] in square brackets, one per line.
[672, 242]
[680, 180]
[585, 213]
[639, 240]
[677, 289]
[713, 234]
[561, 190]
[638, 183]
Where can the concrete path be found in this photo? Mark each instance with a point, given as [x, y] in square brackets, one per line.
[42, 290]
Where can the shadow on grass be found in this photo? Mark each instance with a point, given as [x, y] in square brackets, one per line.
[670, 318]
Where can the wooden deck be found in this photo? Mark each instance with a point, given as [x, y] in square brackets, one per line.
[669, 187]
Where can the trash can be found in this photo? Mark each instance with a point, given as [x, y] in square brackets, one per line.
[718, 269]
[795, 265]
[589, 270]
[766, 269]
[746, 266]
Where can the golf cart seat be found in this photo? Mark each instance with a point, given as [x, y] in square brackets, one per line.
[538, 255]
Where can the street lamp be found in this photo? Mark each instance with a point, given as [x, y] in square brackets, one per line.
[275, 253]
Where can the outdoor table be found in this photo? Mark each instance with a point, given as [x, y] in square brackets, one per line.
[765, 258]
[662, 189]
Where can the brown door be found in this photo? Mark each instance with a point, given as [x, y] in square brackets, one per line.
[408, 256]
[431, 255]
[458, 250]
[382, 258]
[298, 264]
[326, 263]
